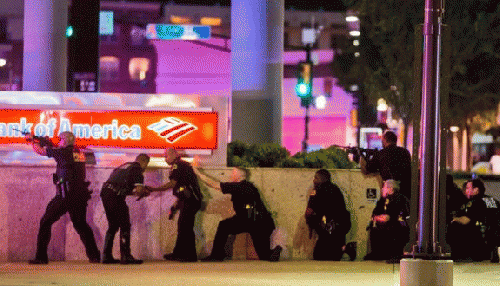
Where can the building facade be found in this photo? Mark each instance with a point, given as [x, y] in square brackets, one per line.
[130, 63]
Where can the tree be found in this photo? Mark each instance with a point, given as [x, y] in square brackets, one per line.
[387, 55]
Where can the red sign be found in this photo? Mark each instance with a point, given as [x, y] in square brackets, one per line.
[144, 129]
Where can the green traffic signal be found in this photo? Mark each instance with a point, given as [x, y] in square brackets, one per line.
[69, 31]
[303, 90]
[304, 80]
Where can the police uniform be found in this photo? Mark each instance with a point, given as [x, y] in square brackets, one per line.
[393, 162]
[388, 239]
[492, 232]
[72, 196]
[251, 216]
[330, 220]
[187, 191]
[467, 242]
[121, 183]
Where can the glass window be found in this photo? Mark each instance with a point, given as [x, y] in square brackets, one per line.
[138, 67]
[109, 68]
[180, 20]
[137, 35]
[111, 39]
[209, 21]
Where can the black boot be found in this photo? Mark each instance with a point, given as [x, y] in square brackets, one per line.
[107, 254]
[126, 257]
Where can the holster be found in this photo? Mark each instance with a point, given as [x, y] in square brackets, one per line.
[62, 187]
[251, 212]
[187, 193]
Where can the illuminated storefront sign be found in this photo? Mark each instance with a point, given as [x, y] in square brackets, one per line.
[144, 129]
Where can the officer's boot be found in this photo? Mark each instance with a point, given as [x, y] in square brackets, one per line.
[107, 254]
[126, 257]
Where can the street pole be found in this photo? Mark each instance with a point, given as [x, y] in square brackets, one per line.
[306, 132]
[425, 268]
[308, 103]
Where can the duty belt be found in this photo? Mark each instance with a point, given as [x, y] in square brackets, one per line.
[115, 189]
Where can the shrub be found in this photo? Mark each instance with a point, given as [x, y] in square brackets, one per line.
[273, 155]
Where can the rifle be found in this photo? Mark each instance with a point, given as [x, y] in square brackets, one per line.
[358, 152]
[43, 141]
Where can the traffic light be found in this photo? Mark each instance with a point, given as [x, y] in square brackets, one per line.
[304, 83]
[304, 80]
[69, 31]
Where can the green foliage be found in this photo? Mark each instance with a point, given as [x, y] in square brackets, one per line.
[330, 158]
[237, 154]
[273, 155]
[267, 154]
[387, 55]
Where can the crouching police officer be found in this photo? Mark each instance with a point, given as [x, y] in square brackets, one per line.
[251, 216]
[389, 231]
[125, 180]
[72, 196]
[326, 214]
[466, 231]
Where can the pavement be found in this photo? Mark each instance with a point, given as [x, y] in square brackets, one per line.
[290, 273]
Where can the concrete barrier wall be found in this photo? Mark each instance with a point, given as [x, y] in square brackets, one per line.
[25, 192]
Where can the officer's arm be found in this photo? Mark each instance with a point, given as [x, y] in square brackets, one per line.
[165, 187]
[39, 149]
[36, 145]
[207, 180]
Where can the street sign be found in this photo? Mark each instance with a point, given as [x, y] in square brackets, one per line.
[177, 32]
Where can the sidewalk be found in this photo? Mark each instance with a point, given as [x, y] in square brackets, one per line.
[230, 273]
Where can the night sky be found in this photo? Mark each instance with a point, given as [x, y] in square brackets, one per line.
[308, 5]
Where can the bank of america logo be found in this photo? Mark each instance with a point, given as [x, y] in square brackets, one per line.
[172, 129]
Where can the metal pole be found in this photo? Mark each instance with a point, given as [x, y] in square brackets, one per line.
[429, 171]
[306, 120]
[306, 130]
[429, 270]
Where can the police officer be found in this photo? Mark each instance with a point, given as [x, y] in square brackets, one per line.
[392, 162]
[467, 227]
[389, 231]
[125, 180]
[72, 196]
[326, 214]
[185, 187]
[251, 216]
[492, 233]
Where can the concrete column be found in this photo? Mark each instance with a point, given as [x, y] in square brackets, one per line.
[44, 69]
[418, 272]
[257, 70]
[45, 53]
[456, 151]
[463, 154]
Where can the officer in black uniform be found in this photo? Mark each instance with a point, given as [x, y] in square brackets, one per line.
[251, 216]
[72, 196]
[185, 187]
[326, 214]
[392, 162]
[125, 180]
[466, 232]
[389, 231]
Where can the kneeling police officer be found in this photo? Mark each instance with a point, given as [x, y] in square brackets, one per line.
[251, 216]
